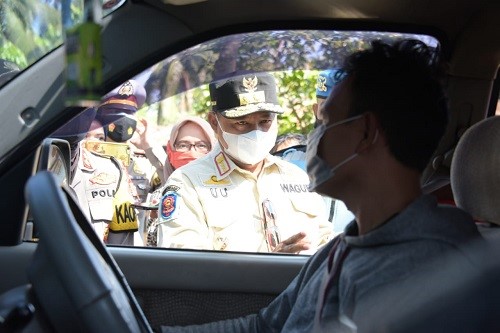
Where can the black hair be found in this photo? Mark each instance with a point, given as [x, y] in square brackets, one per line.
[401, 84]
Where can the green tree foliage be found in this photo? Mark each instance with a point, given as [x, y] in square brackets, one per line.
[295, 57]
[29, 29]
[297, 95]
[11, 52]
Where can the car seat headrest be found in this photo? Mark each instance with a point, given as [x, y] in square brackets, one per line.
[475, 171]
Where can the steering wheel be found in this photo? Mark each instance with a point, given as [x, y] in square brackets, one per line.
[75, 280]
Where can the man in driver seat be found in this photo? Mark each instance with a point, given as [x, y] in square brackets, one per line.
[380, 127]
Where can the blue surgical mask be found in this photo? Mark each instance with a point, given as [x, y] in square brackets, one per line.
[318, 169]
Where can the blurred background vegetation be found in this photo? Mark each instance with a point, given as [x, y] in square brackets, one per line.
[178, 85]
[294, 57]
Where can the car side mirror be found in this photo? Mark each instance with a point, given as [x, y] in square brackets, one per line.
[54, 155]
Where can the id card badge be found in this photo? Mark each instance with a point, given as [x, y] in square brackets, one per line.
[120, 151]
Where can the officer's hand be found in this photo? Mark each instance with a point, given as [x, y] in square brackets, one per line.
[295, 244]
[141, 139]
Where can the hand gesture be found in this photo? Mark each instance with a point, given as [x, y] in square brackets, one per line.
[140, 140]
[295, 244]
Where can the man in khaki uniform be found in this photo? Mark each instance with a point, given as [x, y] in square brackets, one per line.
[239, 197]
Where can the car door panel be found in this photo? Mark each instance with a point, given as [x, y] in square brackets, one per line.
[180, 287]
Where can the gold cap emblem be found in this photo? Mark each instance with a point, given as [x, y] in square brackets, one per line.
[251, 96]
[127, 89]
[321, 84]
[250, 84]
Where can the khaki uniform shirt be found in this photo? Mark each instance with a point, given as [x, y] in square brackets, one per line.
[96, 181]
[213, 204]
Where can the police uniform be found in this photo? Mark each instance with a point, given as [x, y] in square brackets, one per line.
[121, 104]
[117, 114]
[102, 189]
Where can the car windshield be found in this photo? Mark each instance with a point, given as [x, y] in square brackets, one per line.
[177, 87]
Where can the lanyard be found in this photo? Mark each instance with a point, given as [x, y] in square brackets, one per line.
[336, 257]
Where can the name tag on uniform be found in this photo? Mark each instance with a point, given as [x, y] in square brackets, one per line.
[294, 188]
[124, 217]
[100, 193]
[209, 180]
[100, 201]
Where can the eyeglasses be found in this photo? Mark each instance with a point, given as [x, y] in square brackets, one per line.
[271, 231]
[184, 146]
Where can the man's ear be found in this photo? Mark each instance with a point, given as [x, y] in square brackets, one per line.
[371, 132]
[213, 121]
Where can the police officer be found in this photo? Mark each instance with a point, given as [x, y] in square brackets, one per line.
[239, 197]
[102, 187]
[117, 113]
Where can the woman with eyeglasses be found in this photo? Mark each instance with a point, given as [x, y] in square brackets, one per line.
[190, 138]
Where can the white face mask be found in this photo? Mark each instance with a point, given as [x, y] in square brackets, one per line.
[318, 170]
[251, 147]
